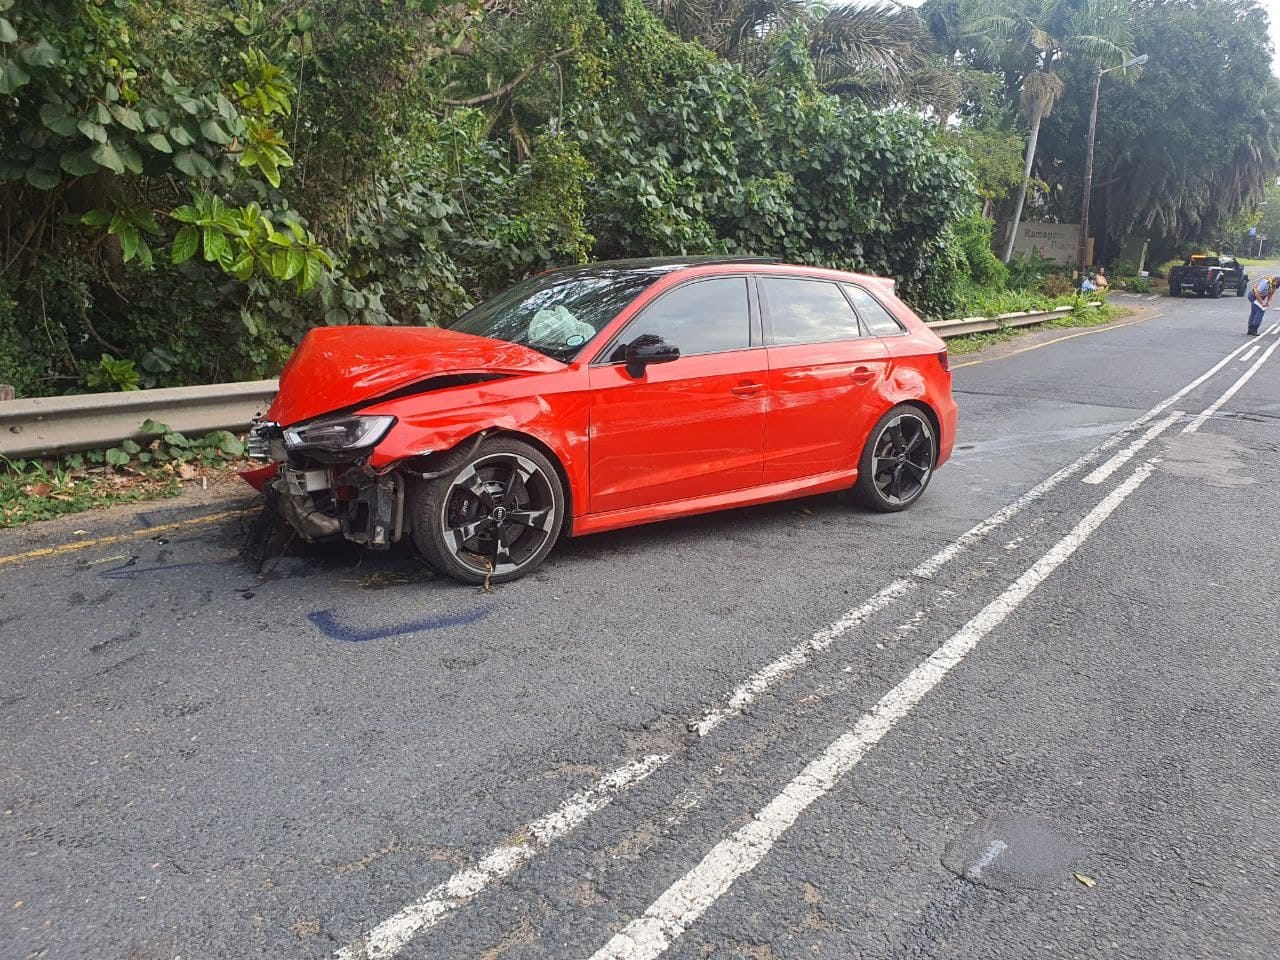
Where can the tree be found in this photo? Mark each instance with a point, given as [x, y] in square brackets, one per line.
[1029, 40]
[1194, 140]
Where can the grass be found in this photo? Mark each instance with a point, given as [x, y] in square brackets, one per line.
[959, 346]
[42, 490]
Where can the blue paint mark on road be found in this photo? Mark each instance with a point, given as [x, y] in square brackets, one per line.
[331, 627]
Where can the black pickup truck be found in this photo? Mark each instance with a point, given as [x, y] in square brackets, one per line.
[1208, 275]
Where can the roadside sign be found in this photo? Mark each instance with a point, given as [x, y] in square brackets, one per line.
[1253, 231]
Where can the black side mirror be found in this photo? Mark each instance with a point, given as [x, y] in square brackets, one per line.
[646, 349]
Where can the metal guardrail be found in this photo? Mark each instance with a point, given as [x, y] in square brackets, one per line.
[49, 425]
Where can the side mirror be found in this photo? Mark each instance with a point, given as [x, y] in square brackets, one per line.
[646, 349]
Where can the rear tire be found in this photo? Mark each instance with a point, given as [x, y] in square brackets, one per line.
[492, 515]
[1175, 290]
[897, 461]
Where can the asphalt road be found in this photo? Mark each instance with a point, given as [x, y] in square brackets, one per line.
[794, 731]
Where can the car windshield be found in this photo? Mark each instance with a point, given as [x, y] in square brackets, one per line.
[556, 313]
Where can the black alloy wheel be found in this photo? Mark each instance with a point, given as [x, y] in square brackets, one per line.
[1241, 288]
[898, 460]
[492, 518]
[1217, 288]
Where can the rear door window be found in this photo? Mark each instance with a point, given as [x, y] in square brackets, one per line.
[808, 311]
[879, 321]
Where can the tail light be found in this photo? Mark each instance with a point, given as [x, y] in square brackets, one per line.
[944, 361]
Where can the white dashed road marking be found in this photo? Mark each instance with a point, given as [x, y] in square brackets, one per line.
[1231, 391]
[648, 937]
[1125, 455]
[387, 938]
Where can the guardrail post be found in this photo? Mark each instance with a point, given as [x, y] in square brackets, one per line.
[7, 392]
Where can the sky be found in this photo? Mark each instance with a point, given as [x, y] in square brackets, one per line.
[1272, 7]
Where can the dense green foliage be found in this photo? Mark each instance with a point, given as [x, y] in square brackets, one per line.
[186, 191]
[187, 186]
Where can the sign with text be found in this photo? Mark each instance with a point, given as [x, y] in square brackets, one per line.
[1053, 241]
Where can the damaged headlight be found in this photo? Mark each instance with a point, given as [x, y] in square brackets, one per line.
[340, 433]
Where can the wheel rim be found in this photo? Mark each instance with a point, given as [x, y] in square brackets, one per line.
[499, 513]
[902, 458]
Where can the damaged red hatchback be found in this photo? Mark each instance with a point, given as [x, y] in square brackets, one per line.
[601, 396]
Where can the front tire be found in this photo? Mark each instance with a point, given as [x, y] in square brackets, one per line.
[493, 514]
[897, 461]
[1241, 288]
[1217, 289]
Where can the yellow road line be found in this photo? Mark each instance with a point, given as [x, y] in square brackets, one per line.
[1049, 343]
[119, 537]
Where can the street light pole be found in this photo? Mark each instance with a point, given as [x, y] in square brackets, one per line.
[1083, 246]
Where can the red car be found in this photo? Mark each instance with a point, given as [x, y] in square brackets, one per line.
[596, 397]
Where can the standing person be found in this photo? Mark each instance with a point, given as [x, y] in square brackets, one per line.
[1100, 279]
[1259, 299]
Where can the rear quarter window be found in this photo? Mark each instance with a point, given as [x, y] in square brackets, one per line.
[879, 321]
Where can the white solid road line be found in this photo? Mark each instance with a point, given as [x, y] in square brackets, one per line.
[1271, 329]
[649, 936]
[1125, 455]
[388, 937]
[1231, 391]
[1244, 357]
[797, 656]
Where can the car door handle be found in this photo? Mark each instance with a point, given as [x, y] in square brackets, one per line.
[747, 389]
[862, 375]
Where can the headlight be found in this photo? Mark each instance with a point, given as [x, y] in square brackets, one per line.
[340, 433]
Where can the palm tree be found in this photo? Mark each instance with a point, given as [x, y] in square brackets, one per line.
[878, 51]
[1027, 39]
[1040, 91]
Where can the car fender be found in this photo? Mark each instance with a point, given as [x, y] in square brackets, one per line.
[558, 423]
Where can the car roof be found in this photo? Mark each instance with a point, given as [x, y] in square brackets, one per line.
[660, 266]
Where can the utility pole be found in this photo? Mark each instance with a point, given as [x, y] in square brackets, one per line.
[1083, 246]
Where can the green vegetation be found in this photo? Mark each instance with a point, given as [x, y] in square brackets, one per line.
[147, 469]
[186, 188]
[1082, 316]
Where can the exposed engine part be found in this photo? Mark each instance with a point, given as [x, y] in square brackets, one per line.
[302, 513]
[265, 442]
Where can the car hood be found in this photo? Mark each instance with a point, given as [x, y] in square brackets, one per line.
[338, 368]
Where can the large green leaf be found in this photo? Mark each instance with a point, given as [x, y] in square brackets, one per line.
[107, 156]
[42, 179]
[7, 33]
[79, 163]
[13, 77]
[185, 244]
[212, 130]
[158, 141]
[129, 241]
[54, 116]
[41, 54]
[128, 118]
[94, 131]
[185, 161]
